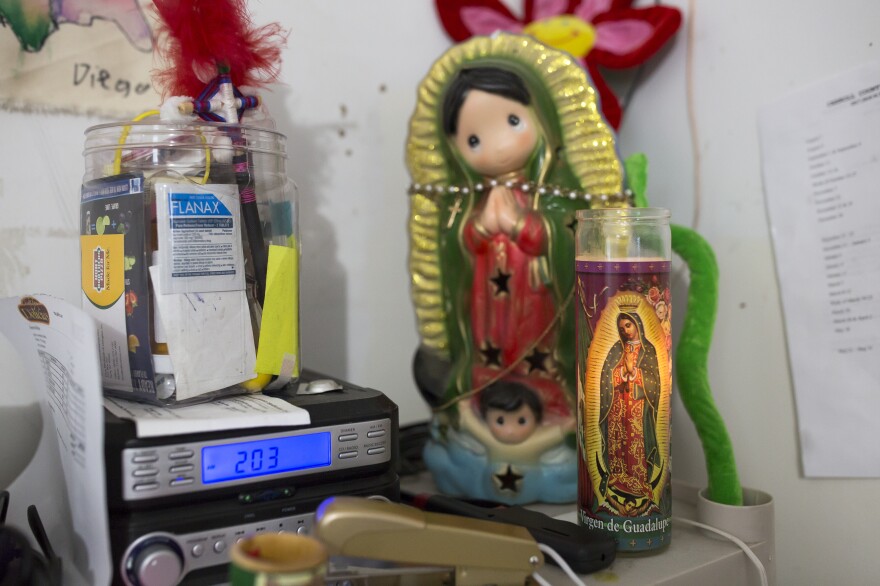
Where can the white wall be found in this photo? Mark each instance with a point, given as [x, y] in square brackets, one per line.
[746, 54]
[350, 74]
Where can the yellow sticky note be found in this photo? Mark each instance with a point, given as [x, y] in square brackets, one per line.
[279, 329]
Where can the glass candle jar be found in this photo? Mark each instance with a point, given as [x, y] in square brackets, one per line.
[624, 350]
[282, 558]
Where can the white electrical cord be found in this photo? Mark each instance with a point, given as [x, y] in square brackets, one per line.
[691, 113]
[742, 545]
[762, 572]
[561, 563]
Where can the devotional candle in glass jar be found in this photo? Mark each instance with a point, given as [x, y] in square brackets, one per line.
[624, 351]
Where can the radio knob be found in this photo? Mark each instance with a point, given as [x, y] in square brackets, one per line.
[158, 562]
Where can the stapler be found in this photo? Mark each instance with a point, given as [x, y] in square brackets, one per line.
[473, 551]
[584, 550]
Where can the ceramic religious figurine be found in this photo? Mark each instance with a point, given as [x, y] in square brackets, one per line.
[505, 144]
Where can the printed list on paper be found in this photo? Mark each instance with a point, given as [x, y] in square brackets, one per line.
[821, 162]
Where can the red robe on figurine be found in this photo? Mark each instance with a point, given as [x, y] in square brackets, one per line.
[513, 309]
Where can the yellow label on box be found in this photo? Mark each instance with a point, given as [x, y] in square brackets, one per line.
[103, 268]
[279, 329]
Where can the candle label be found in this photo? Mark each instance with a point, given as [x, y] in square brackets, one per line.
[624, 350]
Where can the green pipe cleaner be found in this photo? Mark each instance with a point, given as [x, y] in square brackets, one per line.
[692, 350]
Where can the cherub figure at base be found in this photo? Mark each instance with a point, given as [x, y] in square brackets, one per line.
[502, 447]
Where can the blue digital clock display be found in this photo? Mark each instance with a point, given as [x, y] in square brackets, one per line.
[265, 457]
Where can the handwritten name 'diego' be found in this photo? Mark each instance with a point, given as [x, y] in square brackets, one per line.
[99, 78]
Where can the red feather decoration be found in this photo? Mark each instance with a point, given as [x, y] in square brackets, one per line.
[199, 38]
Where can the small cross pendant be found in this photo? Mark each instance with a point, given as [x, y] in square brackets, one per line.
[453, 211]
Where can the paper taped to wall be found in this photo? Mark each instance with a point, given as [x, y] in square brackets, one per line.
[821, 163]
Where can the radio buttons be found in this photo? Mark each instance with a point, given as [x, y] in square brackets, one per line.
[145, 486]
[347, 455]
[182, 481]
[142, 472]
[182, 455]
[348, 437]
[162, 559]
[180, 468]
[144, 458]
[376, 433]
[374, 451]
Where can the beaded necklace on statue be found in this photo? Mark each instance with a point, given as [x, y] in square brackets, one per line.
[438, 190]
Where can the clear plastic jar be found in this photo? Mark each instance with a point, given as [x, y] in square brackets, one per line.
[624, 350]
[189, 237]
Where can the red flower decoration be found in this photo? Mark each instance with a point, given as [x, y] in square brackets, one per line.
[606, 33]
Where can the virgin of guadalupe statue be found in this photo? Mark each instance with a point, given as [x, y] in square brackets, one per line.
[505, 144]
